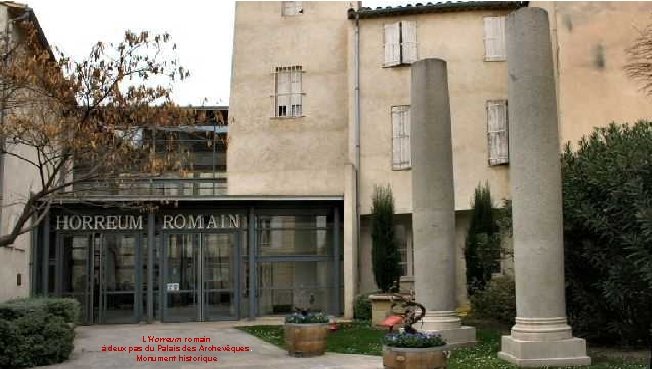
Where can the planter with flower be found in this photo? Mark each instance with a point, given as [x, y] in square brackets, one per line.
[409, 349]
[305, 333]
[402, 350]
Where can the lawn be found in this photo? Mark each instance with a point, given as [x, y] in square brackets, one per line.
[360, 338]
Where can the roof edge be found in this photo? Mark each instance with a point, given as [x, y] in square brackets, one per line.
[420, 8]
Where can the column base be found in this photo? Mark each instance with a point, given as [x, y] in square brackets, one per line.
[537, 342]
[568, 352]
[449, 326]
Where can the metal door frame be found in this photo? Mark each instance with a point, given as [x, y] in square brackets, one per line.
[200, 290]
[96, 239]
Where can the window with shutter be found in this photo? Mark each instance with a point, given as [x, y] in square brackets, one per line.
[288, 96]
[400, 43]
[401, 158]
[497, 134]
[392, 44]
[408, 42]
[494, 38]
[290, 8]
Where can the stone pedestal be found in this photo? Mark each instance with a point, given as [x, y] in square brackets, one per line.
[433, 211]
[541, 335]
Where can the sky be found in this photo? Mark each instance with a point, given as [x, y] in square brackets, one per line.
[202, 30]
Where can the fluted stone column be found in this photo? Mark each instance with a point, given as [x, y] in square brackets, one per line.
[433, 210]
[541, 335]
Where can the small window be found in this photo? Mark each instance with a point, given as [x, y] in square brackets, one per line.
[288, 97]
[401, 157]
[494, 38]
[400, 43]
[404, 244]
[497, 135]
[291, 8]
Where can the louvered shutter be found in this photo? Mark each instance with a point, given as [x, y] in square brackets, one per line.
[497, 135]
[494, 39]
[405, 144]
[408, 41]
[396, 152]
[401, 158]
[392, 45]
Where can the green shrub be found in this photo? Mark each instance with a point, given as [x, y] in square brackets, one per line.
[36, 331]
[483, 242]
[384, 250]
[66, 308]
[497, 301]
[607, 194]
[362, 308]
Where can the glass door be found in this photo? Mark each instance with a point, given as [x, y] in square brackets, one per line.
[75, 272]
[199, 276]
[218, 276]
[118, 278]
[180, 287]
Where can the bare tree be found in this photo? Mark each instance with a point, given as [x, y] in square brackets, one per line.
[639, 65]
[68, 122]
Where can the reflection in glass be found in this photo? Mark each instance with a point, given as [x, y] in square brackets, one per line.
[180, 277]
[286, 285]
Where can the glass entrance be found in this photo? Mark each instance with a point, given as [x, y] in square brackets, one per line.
[101, 272]
[199, 277]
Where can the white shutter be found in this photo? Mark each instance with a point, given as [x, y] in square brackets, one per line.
[396, 153]
[407, 157]
[392, 45]
[494, 38]
[401, 158]
[409, 41]
[497, 136]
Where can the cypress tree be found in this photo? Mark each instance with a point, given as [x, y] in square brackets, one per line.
[384, 249]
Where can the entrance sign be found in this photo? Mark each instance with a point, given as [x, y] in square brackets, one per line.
[135, 222]
[201, 221]
[99, 222]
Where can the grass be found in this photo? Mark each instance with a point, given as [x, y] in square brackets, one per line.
[360, 338]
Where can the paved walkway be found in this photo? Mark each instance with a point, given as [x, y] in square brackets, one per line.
[89, 341]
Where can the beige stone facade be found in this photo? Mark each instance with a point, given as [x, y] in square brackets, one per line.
[311, 154]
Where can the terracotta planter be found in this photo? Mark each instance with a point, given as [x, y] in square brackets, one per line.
[303, 340]
[415, 358]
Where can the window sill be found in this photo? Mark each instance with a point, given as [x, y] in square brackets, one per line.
[400, 65]
[495, 58]
[287, 118]
[498, 164]
[401, 169]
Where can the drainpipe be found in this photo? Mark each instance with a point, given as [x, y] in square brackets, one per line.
[356, 122]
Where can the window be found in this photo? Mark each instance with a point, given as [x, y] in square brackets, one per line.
[290, 8]
[400, 43]
[494, 38]
[288, 95]
[404, 243]
[497, 135]
[401, 158]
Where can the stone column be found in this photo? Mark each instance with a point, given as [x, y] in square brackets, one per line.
[433, 210]
[541, 335]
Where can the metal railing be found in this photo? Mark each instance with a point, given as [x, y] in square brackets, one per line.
[207, 184]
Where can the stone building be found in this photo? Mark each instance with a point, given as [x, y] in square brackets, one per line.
[320, 112]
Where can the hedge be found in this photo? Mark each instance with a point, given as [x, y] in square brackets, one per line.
[36, 332]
